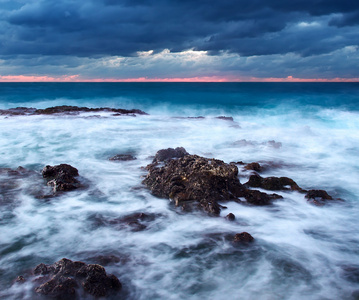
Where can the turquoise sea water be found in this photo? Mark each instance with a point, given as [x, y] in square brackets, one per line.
[306, 131]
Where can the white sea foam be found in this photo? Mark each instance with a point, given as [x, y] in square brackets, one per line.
[300, 251]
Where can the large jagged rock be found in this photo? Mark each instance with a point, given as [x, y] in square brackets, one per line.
[65, 278]
[195, 178]
[66, 109]
[61, 177]
[192, 177]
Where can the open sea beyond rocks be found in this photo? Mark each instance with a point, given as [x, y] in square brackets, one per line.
[291, 246]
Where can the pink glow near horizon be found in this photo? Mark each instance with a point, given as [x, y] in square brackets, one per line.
[77, 78]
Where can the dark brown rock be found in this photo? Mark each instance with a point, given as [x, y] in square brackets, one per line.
[122, 157]
[60, 287]
[64, 277]
[18, 111]
[253, 166]
[318, 197]
[170, 153]
[61, 177]
[192, 177]
[323, 195]
[230, 217]
[243, 237]
[273, 183]
[259, 198]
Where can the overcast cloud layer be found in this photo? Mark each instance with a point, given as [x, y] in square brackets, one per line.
[180, 38]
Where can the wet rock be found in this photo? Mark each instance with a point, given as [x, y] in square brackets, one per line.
[61, 177]
[68, 110]
[13, 182]
[323, 195]
[351, 273]
[230, 217]
[122, 157]
[225, 118]
[318, 197]
[210, 206]
[20, 279]
[273, 183]
[254, 166]
[243, 237]
[134, 222]
[244, 143]
[64, 278]
[195, 178]
[60, 287]
[106, 260]
[192, 177]
[273, 144]
[170, 153]
[17, 111]
[192, 118]
[259, 198]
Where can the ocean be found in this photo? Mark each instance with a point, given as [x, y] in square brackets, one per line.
[305, 131]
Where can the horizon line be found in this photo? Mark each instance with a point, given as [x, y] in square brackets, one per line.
[209, 79]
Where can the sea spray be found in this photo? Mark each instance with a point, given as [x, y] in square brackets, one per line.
[300, 250]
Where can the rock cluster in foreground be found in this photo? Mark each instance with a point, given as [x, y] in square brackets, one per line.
[195, 178]
[66, 279]
[182, 177]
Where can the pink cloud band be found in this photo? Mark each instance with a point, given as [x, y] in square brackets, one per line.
[77, 78]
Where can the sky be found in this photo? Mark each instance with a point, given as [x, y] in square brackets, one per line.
[179, 40]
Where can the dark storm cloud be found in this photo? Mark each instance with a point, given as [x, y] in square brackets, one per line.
[110, 27]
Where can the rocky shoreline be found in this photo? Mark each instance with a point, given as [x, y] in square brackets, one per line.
[192, 182]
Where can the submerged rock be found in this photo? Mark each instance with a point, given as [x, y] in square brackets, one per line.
[122, 157]
[133, 222]
[61, 177]
[65, 278]
[225, 118]
[14, 182]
